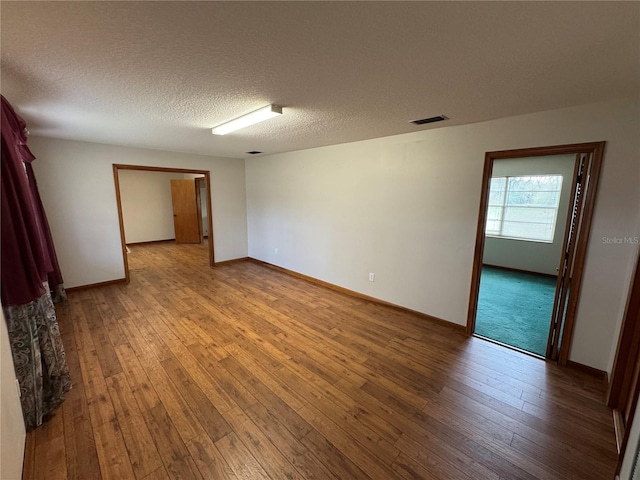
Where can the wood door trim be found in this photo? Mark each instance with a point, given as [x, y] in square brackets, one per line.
[626, 367]
[207, 182]
[479, 247]
[596, 150]
[628, 343]
[565, 241]
[123, 166]
[123, 240]
[590, 191]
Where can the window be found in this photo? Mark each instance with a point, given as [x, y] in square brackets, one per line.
[525, 208]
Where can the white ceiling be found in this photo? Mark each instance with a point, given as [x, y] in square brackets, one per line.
[161, 74]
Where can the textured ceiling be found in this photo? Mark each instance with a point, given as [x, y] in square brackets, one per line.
[161, 74]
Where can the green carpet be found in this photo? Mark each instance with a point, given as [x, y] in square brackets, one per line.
[515, 308]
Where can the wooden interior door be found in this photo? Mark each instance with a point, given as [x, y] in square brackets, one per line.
[565, 274]
[624, 387]
[186, 216]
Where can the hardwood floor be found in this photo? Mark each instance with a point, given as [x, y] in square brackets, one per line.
[244, 372]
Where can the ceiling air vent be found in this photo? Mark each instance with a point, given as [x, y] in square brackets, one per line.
[254, 152]
[422, 121]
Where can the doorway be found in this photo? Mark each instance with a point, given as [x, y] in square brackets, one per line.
[533, 228]
[195, 178]
[529, 199]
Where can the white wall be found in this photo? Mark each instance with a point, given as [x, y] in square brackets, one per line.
[147, 210]
[406, 208]
[77, 188]
[540, 257]
[12, 431]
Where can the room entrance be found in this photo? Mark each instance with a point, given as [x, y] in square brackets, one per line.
[533, 227]
[158, 204]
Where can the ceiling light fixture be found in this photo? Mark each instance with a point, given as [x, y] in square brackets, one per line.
[264, 113]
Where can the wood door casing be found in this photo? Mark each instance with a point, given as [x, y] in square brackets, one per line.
[594, 151]
[624, 387]
[207, 202]
[186, 217]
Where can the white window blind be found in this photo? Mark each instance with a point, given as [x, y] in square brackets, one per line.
[524, 207]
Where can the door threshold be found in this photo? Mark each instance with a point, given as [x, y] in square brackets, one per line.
[511, 347]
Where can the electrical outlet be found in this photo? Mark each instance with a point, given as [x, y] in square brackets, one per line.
[372, 277]
[276, 250]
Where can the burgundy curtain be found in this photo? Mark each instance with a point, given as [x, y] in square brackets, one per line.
[29, 274]
[24, 263]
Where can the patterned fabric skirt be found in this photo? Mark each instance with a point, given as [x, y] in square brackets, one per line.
[38, 357]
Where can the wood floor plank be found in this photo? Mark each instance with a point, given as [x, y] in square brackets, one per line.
[408, 468]
[259, 445]
[53, 463]
[209, 460]
[366, 460]
[173, 452]
[112, 452]
[142, 452]
[354, 418]
[292, 449]
[458, 467]
[335, 460]
[244, 372]
[207, 414]
[295, 423]
[98, 399]
[172, 400]
[140, 384]
[236, 392]
[285, 392]
[29, 464]
[204, 380]
[80, 447]
[159, 474]
[243, 464]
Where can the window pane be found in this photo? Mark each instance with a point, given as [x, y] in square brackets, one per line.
[496, 190]
[542, 199]
[530, 215]
[493, 227]
[494, 213]
[535, 183]
[532, 231]
[524, 207]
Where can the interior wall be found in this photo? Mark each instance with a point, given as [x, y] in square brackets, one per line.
[147, 209]
[406, 208]
[539, 257]
[12, 431]
[78, 192]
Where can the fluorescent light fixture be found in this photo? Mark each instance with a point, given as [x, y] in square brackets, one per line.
[265, 113]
